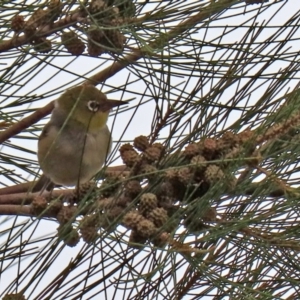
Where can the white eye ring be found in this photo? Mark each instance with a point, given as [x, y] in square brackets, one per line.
[93, 106]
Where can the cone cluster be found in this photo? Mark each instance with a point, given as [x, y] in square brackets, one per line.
[151, 198]
[98, 29]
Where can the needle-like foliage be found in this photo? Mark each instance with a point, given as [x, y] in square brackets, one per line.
[199, 197]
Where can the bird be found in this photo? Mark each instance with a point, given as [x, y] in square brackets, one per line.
[74, 144]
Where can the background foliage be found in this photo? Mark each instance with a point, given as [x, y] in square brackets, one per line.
[216, 79]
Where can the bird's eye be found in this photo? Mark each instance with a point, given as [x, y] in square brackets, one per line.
[93, 106]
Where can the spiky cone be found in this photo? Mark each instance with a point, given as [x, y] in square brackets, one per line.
[131, 219]
[104, 14]
[84, 192]
[55, 206]
[72, 239]
[141, 143]
[95, 34]
[124, 200]
[127, 8]
[210, 214]
[149, 172]
[191, 150]
[98, 9]
[41, 45]
[146, 228]
[73, 197]
[148, 202]
[88, 227]
[110, 186]
[30, 29]
[114, 212]
[66, 214]
[116, 19]
[39, 18]
[198, 163]
[233, 154]
[92, 220]
[179, 189]
[159, 217]
[231, 183]
[160, 147]
[132, 188]
[132, 160]
[165, 189]
[227, 141]
[161, 239]
[113, 40]
[17, 23]
[93, 49]
[103, 204]
[245, 136]
[125, 147]
[171, 176]
[152, 154]
[185, 175]
[38, 205]
[86, 189]
[209, 148]
[136, 240]
[68, 235]
[213, 174]
[230, 137]
[54, 9]
[89, 234]
[72, 43]
[166, 202]
[110, 217]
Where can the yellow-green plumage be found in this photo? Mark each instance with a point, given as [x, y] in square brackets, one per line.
[74, 144]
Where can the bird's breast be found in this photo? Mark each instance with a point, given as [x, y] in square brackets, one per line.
[96, 149]
[73, 156]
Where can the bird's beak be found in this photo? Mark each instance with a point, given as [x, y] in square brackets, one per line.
[109, 104]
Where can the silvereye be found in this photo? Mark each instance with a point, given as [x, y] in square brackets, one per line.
[74, 144]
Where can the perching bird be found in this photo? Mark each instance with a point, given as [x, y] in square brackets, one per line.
[75, 143]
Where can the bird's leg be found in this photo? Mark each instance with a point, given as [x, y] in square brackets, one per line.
[43, 184]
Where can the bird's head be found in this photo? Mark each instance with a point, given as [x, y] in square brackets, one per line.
[87, 105]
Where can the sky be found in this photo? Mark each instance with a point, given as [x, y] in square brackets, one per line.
[28, 75]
